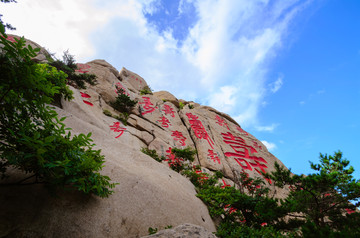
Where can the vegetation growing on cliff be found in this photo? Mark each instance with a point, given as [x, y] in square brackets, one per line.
[68, 66]
[317, 204]
[32, 138]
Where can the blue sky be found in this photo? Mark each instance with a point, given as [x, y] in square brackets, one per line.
[287, 71]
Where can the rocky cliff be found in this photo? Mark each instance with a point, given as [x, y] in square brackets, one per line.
[149, 193]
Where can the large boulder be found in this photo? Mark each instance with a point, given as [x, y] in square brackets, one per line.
[149, 193]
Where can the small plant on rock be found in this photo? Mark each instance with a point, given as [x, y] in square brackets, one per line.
[152, 230]
[146, 90]
[152, 154]
[180, 159]
[123, 103]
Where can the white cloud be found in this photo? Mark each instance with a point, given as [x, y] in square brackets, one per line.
[57, 25]
[270, 128]
[269, 145]
[275, 86]
[224, 99]
[222, 62]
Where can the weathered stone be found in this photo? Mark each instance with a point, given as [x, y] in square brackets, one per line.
[183, 231]
[167, 97]
[107, 65]
[150, 194]
[137, 82]
[41, 56]
[106, 80]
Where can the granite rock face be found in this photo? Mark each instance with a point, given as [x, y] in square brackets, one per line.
[150, 194]
[183, 231]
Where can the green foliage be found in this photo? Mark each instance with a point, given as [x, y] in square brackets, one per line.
[107, 113]
[187, 154]
[227, 229]
[152, 230]
[152, 154]
[123, 116]
[123, 103]
[32, 138]
[68, 66]
[191, 106]
[146, 90]
[318, 203]
[183, 159]
[181, 105]
[200, 179]
[240, 210]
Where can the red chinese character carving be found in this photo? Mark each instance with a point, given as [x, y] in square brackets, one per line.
[237, 142]
[229, 209]
[10, 38]
[241, 131]
[224, 184]
[255, 144]
[221, 121]
[199, 129]
[349, 211]
[214, 156]
[242, 153]
[179, 137]
[172, 160]
[88, 103]
[117, 128]
[202, 175]
[85, 95]
[82, 67]
[118, 90]
[164, 122]
[168, 110]
[247, 166]
[148, 106]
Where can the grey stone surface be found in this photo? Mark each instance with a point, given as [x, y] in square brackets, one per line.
[183, 231]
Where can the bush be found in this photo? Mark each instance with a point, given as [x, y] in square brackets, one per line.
[123, 103]
[146, 90]
[182, 159]
[152, 154]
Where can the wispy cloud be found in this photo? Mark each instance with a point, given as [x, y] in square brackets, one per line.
[270, 128]
[275, 86]
[220, 59]
[269, 145]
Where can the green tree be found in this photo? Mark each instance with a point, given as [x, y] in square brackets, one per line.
[319, 203]
[246, 211]
[32, 138]
[68, 66]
